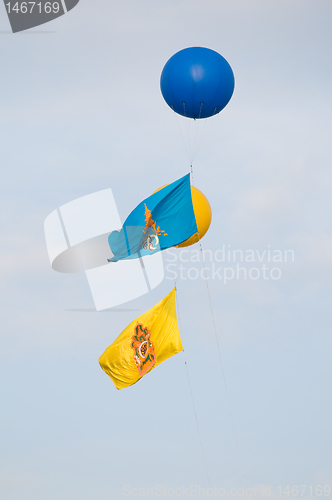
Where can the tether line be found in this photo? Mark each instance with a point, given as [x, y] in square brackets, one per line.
[218, 346]
[191, 393]
[183, 139]
[222, 367]
[193, 134]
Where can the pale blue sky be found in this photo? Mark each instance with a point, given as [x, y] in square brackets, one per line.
[81, 111]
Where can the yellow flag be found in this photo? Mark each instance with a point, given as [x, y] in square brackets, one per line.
[148, 341]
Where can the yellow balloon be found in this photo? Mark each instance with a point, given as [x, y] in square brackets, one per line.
[203, 215]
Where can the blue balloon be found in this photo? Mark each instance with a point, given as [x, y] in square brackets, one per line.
[197, 82]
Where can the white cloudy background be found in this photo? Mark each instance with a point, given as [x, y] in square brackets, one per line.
[81, 111]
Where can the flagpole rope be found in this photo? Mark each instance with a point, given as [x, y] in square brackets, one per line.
[218, 346]
[191, 393]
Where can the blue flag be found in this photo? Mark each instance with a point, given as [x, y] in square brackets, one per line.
[162, 220]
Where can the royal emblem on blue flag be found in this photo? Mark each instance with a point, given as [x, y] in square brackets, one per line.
[163, 220]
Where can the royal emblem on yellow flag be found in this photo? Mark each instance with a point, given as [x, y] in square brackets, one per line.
[145, 357]
[148, 341]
